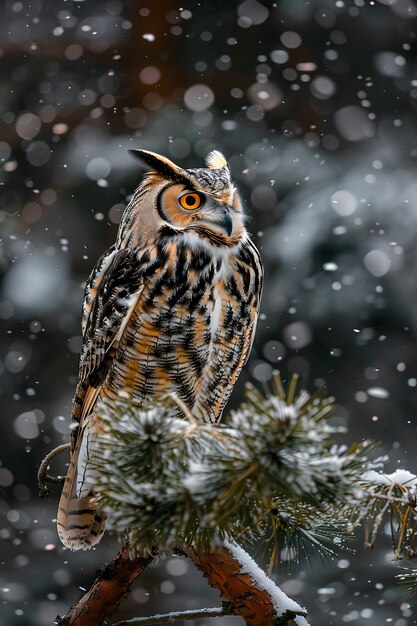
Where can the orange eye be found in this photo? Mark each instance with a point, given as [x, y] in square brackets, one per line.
[191, 201]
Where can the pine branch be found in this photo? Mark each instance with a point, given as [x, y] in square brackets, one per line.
[163, 477]
[111, 585]
[299, 529]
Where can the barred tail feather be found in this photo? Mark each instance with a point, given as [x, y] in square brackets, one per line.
[80, 522]
[83, 526]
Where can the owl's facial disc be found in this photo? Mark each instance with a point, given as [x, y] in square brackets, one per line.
[186, 208]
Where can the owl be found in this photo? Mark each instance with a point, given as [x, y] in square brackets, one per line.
[170, 308]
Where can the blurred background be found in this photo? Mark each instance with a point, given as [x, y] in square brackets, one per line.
[314, 103]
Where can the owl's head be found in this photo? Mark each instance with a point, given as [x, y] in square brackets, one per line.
[202, 202]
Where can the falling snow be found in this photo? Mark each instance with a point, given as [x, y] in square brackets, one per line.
[321, 137]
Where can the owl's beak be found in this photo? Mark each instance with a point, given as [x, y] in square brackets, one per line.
[216, 214]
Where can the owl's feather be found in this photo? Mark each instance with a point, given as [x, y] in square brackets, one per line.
[215, 160]
[171, 308]
[80, 522]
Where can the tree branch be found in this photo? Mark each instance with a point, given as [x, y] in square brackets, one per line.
[176, 616]
[104, 596]
[244, 585]
[43, 476]
[248, 592]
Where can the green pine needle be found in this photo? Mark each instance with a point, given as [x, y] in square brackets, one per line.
[408, 578]
[297, 531]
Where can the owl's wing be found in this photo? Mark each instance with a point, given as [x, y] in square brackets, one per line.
[114, 286]
[109, 300]
[110, 296]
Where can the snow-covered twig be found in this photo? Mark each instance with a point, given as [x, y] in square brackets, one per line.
[176, 616]
[394, 496]
[376, 525]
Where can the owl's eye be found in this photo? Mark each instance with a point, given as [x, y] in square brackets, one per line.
[191, 201]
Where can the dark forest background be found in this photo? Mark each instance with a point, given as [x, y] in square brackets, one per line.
[314, 104]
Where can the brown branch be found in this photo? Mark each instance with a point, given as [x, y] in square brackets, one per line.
[252, 595]
[43, 476]
[111, 585]
[248, 599]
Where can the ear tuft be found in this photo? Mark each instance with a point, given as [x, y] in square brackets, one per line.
[154, 160]
[215, 160]
[163, 165]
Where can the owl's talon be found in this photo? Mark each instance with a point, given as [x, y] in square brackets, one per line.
[44, 477]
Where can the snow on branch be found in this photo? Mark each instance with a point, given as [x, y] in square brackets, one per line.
[248, 591]
[280, 601]
[175, 616]
[394, 496]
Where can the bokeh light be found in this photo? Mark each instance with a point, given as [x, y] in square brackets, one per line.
[314, 104]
